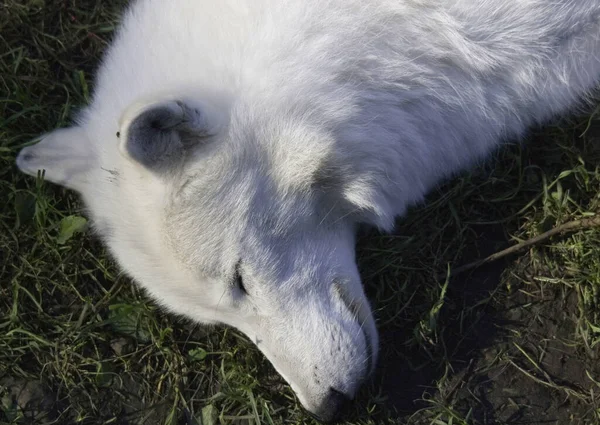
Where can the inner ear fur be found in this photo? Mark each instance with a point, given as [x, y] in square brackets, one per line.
[158, 135]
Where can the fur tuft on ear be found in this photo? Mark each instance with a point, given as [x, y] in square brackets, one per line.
[359, 192]
[65, 154]
[159, 134]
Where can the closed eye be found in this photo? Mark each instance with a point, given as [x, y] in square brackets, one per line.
[237, 279]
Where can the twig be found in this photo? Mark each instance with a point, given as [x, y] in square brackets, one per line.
[568, 227]
[575, 392]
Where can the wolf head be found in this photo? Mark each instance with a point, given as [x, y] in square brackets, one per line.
[229, 220]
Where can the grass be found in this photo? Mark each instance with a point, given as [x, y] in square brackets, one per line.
[516, 341]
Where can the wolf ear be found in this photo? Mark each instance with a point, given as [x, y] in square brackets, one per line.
[157, 135]
[65, 155]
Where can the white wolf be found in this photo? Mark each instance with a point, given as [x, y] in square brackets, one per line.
[233, 146]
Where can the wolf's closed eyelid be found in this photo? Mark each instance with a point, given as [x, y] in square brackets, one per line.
[238, 281]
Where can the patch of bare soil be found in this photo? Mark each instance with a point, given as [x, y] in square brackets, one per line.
[539, 372]
[513, 359]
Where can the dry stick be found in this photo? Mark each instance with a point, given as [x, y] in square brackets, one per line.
[568, 227]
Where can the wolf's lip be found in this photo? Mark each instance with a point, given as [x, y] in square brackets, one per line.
[360, 313]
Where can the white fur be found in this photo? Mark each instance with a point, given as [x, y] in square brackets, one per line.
[325, 114]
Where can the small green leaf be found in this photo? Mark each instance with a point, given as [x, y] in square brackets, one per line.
[130, 319]
[209, 415]
[594, 329]
[197, 354]
[69, 226]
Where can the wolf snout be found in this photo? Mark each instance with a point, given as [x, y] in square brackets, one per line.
[331, 403]
[332, 407]
[24, 157]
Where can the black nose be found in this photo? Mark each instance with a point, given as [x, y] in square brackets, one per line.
[332, 406]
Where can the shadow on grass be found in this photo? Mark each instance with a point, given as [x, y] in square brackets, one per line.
[468, 326]
[450, 354]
